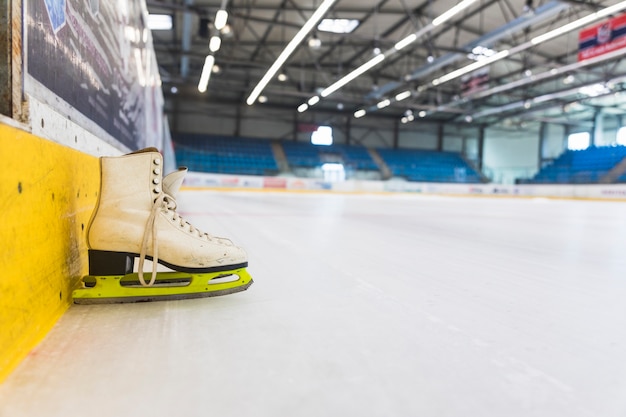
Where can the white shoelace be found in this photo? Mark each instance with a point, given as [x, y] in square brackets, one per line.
[166, 203]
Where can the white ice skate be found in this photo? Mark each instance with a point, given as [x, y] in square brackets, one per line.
[136, 218]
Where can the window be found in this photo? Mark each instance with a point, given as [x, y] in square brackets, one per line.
[621, 136]
[338, 25]
[578, 141]
[333, 172]
[322, 136]
[159, 21]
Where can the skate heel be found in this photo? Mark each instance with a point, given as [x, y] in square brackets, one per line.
[110, 263]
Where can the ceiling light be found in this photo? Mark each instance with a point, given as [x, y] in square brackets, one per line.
[405, 42]
[315, 42]
[215, 43]
[569, 79]
[338, 25]
[594, 90]
[398, 46]
[313, 100]
[471, 67]
[579, 23]
[221, 17]
[159, 22]
[480, 52]
[359, 113]
[291, 46]
[451, 12]
[422, 113]
[351, 76]
[303, 107]
[403, 95]
[206, 73]
[282, 77]
[227, 31]
[383, 103]
[262, 99]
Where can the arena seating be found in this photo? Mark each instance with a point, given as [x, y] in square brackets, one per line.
[429, 166]
[581, 167]
[225, 155]
[305, 155]
[248, 156]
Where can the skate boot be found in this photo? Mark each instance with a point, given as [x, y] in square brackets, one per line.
[136, 218]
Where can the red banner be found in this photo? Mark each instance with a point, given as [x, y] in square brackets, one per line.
[602, 38]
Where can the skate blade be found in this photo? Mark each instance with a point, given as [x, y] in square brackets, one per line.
[168, 286]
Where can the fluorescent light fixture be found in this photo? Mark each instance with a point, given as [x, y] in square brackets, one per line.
[291, 46]
[159, 22]
[403, 95]
[215, 43]
[594, 90]
[383, 104]
[480, 52]
[351, 76]
[579, 23]
[471, 67]
[451, 12]
[535, 41]
[398, 46]
[303, 107]
[405, 42]
[338, 25]
[221, 17]
[313, 100]
[315, 43]
[206, 73]
[359, 113]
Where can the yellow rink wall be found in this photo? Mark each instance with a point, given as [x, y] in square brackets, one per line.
[47, 194]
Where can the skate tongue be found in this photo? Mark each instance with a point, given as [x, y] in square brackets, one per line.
[173, 181]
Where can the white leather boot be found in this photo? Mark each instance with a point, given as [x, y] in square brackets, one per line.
[136, 216]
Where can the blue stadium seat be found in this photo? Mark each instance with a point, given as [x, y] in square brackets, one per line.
[586, 166]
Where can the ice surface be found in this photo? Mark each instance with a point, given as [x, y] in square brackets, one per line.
[363, 305]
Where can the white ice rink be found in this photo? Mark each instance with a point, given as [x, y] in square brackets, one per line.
[363, 305]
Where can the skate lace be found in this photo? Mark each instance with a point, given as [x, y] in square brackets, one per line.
[167, 204]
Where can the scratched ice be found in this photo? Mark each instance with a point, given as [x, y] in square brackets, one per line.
[363, 305]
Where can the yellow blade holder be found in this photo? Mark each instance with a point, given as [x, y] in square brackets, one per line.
[108, 289]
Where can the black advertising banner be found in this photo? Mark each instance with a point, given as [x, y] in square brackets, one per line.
[97, 56]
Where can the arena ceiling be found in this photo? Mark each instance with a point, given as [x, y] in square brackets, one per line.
[496, 62]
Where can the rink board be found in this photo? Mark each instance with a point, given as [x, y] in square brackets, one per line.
[48, 193]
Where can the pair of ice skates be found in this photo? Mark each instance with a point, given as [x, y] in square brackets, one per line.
[136, 217]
